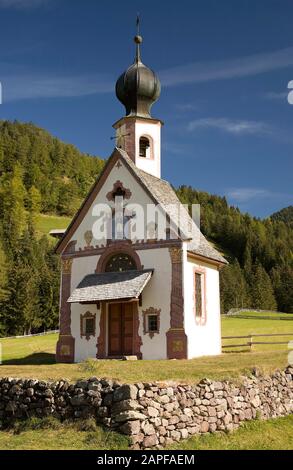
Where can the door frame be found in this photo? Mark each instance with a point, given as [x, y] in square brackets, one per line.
[122, 329]
[103, 338]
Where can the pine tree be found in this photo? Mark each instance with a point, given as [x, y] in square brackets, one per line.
[34, 206]
[282, 279]
[262, 293]
[13, 216]
[234, 289]
[3, 274]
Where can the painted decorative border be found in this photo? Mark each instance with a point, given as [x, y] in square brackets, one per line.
[146, 313]
[65, 344]
[118, 185]
[176, 336]
[82, 330]
[88, 237]
[101, 341]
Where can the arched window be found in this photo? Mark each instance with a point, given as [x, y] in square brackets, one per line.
[120, 262]
[144, 147]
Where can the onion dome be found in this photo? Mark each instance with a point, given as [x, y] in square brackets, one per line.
[138, 88]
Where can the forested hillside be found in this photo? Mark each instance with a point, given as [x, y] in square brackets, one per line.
[285, 215]
[58, 172]
[39, 173]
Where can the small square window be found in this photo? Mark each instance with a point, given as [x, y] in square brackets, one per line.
[152, 323]
[89, 326]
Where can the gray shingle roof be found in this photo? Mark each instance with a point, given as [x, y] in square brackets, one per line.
[111, 286]
[164, 194]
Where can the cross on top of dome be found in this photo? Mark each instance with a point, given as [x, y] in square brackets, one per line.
[138, 88]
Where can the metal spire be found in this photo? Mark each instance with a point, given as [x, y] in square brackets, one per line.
[137, 24]
[137, 39]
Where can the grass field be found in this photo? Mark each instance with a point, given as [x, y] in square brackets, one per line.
[246, 326]
[48, 434]
[274, 434]
[45, 223]
[264, 315]
[34, 357]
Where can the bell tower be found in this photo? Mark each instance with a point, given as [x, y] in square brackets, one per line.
[138, 133]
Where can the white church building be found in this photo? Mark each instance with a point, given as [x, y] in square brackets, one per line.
[149, 296]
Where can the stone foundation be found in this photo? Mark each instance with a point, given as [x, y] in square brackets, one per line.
[152, 414]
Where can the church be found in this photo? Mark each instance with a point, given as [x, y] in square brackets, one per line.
[148, 296]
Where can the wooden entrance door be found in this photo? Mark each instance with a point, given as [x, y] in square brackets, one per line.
[120, 329]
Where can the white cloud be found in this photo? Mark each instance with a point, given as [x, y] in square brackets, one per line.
[236, 127]
[185, 107]
[241, 195]
[22, 4]
[19, 87]
[276, 96]
[198, 72]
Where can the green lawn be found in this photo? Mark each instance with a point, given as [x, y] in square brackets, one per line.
[262, 314]
[45, 223]
[243, 327]
[34, 357]
[274, 434]
[34, 350]
[49, 434]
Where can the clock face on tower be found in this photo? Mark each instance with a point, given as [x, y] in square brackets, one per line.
[120, 138]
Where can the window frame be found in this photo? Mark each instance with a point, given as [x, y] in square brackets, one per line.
[149, 148]
[200, 319]
[151, 312]
[120, 254]
[150, 318]
[83, 321]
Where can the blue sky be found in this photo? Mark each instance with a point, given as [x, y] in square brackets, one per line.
[224, 67]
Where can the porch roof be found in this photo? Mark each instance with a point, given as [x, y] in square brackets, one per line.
[111, 286]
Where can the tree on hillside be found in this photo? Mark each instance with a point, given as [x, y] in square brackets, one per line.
[234, 289]
[3, 274]
[262, 294]
[21, 311]
[34, 206]
[48, 164]
[13, 210]
[283, 281]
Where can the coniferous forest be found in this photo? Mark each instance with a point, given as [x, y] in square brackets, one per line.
[41, 174]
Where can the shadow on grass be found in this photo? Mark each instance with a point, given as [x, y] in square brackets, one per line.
[33, 359]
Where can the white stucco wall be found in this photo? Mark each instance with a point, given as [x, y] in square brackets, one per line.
[203, 340]
[151, 165]
[156, 294]
[83, 348]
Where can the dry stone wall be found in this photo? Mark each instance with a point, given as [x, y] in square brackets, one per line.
[152, 414]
